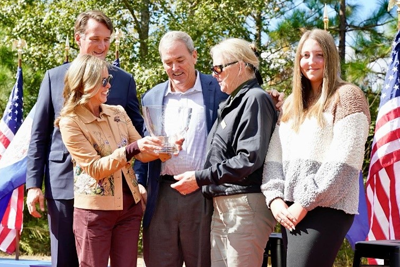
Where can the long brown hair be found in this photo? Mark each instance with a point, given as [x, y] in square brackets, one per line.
[295, 106]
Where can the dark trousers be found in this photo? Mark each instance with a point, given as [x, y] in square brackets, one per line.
[317, 238]
[60, 217]
[179, 230]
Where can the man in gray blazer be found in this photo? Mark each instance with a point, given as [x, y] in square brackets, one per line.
[176, 228]
[48, 159]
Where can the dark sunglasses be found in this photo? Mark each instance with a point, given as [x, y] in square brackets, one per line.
[105, 81]
[217, 69]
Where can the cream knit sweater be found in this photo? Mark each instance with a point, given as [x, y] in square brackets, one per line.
[320, 166]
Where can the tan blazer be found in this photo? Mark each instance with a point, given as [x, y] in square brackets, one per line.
[97, 146]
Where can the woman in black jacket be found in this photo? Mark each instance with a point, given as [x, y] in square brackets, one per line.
[232, 175]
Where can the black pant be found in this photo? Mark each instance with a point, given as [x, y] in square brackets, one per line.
[317, 238]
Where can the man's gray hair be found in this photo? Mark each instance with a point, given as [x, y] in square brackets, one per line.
[173, 36]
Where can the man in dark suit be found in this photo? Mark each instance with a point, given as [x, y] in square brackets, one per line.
[176, 228]
[48, 158]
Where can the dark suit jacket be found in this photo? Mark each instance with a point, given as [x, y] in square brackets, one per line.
[212, 96]
[48, 158]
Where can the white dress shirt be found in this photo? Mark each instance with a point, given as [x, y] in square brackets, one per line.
[192, 155]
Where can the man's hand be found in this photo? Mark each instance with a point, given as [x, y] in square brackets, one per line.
[277, 98]
[186, 183]
[35, 196]
[143, 196]
[178, 144]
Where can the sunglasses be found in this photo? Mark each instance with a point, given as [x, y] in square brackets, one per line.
[218, 69]
[105, 81]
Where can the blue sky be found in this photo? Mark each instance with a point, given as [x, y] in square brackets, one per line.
[369, 5]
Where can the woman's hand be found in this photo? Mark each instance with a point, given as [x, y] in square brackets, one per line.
[149, 144]
[164, 156]
[298, 212]
[282, 214]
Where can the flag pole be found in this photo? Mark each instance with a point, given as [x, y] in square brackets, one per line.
[398, 14]
[17, 238]
[326, 19]
[118, 36]
[66, 50]
[117, 42]
[19, 45]
[390, 7]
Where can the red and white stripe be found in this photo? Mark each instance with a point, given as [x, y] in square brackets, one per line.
[383, 184]
[6, 135]
[11, 225]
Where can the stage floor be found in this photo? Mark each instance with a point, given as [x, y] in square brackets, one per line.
[23, 263]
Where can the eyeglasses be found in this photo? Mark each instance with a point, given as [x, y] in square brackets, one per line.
[217, 69]
[105, 81]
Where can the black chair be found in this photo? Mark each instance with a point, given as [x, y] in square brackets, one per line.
[388, 250]
[276, 250]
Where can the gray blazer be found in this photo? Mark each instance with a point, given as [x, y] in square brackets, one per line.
[212, 96]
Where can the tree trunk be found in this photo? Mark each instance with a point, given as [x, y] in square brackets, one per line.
[144, 30]
[257, 38]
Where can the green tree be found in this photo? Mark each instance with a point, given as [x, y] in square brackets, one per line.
[45, 25]
[275, 26]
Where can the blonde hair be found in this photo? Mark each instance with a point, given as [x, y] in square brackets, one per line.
[81, 83]
[235, 49]
[296, 105]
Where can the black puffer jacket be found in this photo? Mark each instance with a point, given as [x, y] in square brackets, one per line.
[238, 142]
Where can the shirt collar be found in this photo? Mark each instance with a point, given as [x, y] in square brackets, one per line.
[88, 117]
[196, 87]
[238, 91]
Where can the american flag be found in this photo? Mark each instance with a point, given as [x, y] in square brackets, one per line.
[383, 184]
[11, 205]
